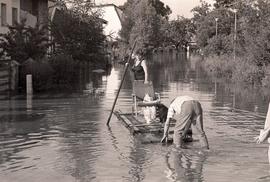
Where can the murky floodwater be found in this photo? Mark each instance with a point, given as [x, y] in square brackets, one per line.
[65, 138]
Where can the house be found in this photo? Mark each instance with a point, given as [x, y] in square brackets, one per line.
[10, 13]
[33, 11]
[113, 16]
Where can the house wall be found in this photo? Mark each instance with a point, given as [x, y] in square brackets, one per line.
[27, 5]
[113, 25]
[30, 19]
[37, 8]
[9, 5]
[43, 12]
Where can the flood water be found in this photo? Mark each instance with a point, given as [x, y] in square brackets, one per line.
[64, 138]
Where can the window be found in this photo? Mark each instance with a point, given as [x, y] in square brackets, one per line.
[3, 14]
[14, 16]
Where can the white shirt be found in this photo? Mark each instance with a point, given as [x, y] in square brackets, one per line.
[175, 106]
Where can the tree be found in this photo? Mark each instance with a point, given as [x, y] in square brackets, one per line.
[161, 8]
[22, 42]
[255, 33]
[224, 3]
[143, 22]
[179, 32]
[84, 41]
[201, 11]
[207, 22]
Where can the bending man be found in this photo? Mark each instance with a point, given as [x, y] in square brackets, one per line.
[187, 111]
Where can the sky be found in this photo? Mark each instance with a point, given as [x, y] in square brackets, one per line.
[178, 7]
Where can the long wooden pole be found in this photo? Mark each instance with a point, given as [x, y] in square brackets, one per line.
[125, 71]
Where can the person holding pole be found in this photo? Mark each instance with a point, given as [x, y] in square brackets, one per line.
[139, 68]
[121, 83]
[265, 133]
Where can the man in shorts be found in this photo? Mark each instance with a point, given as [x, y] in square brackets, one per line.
[186, 111]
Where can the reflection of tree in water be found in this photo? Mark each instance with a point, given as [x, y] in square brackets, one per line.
[96, 77]
[250, 98]
[81, 144]
[137, 159]
[170, 67]
[16, 129]
[164, 68]
[185, 165]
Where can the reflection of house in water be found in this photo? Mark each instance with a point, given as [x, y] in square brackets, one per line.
[113, 16]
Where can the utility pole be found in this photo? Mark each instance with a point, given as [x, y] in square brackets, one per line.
[235, 32]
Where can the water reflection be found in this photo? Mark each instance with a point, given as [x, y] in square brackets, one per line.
[63, 137]
[185, 165]
[29, 104]
[249, 98]
[137, 160]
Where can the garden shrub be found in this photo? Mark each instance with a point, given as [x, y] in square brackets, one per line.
[266, 78]
[65, 71]
[41, 73]
[219, 66]
[247, 72]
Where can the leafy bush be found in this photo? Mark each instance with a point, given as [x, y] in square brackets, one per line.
[65, 71]
[266, 79]
[239, 70]
[219, 66]
[22, 42]
[245, 71]
[41, 73]
[219, 45]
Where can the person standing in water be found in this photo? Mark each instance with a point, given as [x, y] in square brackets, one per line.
[139, 68]
[187, 111]
[265, 133]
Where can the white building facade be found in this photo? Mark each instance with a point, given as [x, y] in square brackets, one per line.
[10, 13]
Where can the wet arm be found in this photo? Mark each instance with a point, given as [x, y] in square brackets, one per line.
[166, 127]
[265, 133]
[167, 124]
[145, 71]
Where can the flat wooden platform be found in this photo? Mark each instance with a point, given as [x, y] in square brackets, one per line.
[137, 126]
[148, 133]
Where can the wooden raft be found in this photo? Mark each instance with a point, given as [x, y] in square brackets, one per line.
[138, 126]
[148, 133]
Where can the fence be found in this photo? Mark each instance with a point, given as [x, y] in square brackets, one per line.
[5, 83]
[8, 79]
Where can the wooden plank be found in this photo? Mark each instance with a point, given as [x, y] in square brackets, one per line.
[126, 121]
[131, 124]
[142, 125]
[149, 103]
